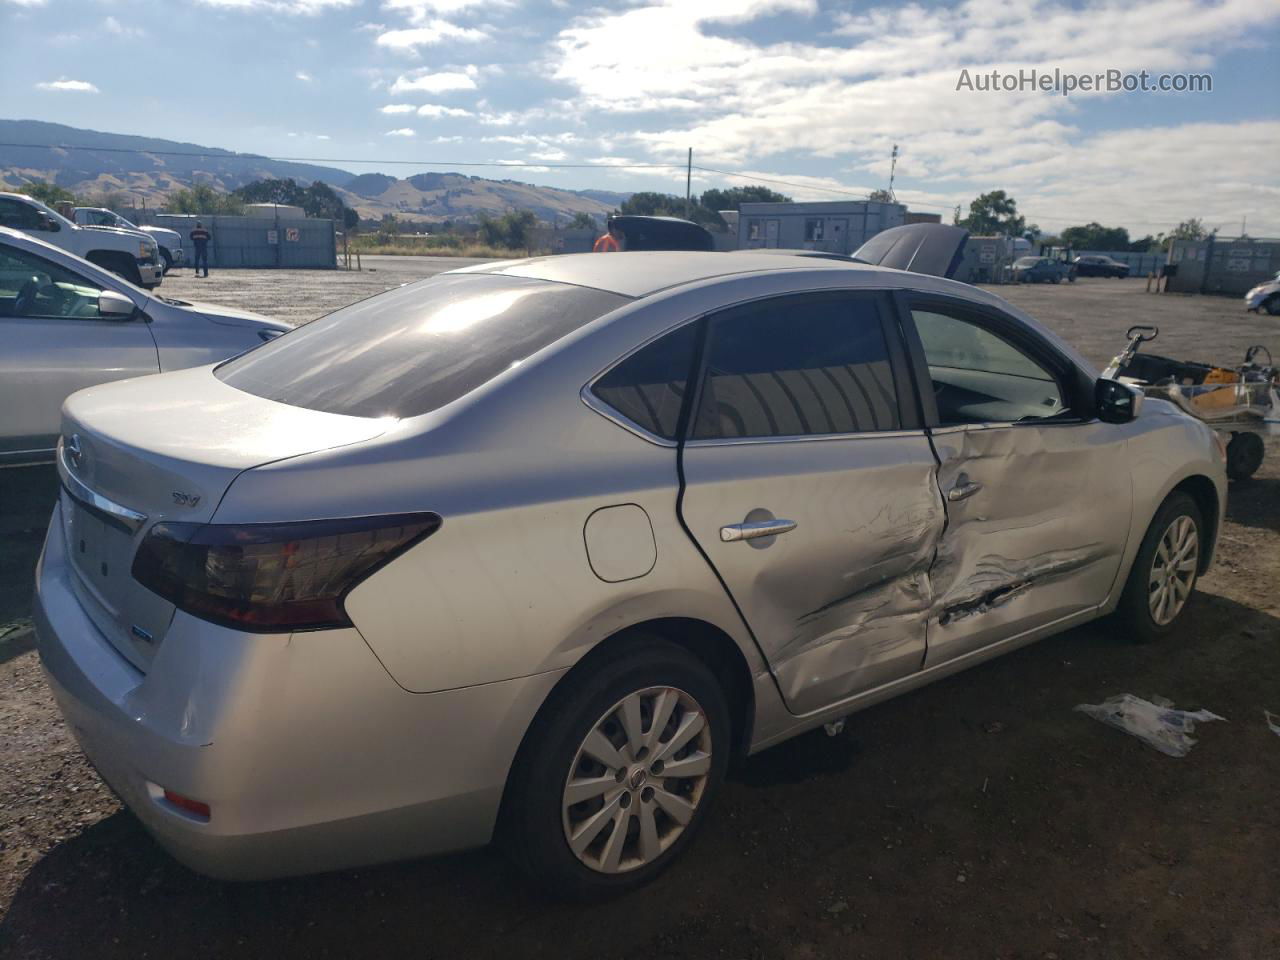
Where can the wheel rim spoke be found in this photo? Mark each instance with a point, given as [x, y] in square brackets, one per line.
[631, 723]
[591, 827]
[650, 846]
[585, 789]
[663, 706]
[693, 765]
[691, 725]
[612, 856]
[678, 808]
[598, 747]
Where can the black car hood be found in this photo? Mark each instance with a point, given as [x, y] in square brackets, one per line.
[930, 248]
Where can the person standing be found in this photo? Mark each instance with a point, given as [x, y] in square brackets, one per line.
[200, 240]
[611, 241]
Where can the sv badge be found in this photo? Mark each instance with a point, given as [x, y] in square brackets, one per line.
[185, 499]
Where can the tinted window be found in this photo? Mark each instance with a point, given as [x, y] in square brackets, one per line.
[32, 286]
[793, 367]
[979, 377]
[412, 350]
[19, 215]
[649, 386]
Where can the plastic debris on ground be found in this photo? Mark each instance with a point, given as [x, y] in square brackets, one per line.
[1273, 721]
[1157, 723]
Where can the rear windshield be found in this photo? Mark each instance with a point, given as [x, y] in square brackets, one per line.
[412, 350]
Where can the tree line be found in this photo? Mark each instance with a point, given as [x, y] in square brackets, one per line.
[991, 213]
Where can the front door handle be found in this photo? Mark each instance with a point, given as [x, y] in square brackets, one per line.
[751, 531]
[963, 490]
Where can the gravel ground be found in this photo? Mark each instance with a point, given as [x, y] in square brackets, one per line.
[296, 296]
[979, 817]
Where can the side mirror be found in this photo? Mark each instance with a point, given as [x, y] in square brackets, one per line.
[1116, 402]
[115, 306]
[51, 225]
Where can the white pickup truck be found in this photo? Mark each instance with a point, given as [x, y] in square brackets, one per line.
[169, 241]
[129, 253]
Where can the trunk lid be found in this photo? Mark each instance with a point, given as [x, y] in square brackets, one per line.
[165, 447]
[935, 249]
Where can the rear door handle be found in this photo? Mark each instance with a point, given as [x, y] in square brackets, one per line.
[963, 490]
[750, 531]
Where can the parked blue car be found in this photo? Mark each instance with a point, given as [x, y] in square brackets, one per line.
[1042, 270]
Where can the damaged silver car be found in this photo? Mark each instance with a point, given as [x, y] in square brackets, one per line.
[533, 550]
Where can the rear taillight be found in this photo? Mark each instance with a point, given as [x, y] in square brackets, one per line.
[272, 577]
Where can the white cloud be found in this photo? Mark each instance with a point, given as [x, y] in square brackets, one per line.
[888, 75]
[294, 7]
[433, 32]
[64, 85]
[303, 76]
[397, 108]
[436, 110]
[434, 82]
[323, 136]
[401, 132]
[421, 11]
[125, 31]
[25, 3]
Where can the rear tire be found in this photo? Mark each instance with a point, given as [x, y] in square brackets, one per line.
[1164, 572]
[584, 744]
[168, 260]
[1244, 455]
[1272, 306]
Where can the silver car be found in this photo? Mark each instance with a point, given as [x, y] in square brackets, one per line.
[533, 550]
[67, 324]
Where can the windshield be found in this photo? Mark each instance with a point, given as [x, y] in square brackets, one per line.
[1026, 261]
[412, 350]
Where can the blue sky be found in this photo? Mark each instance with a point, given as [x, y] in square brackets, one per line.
[807, 91]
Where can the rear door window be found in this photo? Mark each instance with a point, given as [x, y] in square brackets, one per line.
[415, 349]
[798, 366]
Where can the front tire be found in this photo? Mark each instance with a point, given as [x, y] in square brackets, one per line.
[168, 260]
[1164, 572]
[1272, 306]
[618, 772]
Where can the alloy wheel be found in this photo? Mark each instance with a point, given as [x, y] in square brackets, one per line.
[637, 780]
[1173, 570]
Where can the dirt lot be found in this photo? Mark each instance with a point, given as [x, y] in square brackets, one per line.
[979, 817]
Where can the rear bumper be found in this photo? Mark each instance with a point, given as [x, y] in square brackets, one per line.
[309, 755]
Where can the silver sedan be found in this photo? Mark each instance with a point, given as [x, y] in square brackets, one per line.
[532, 550]
[67, 324]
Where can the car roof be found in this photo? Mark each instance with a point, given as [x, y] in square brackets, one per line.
[641, 273]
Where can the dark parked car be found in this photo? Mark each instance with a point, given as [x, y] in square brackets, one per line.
[1097, 266]
[1042, 270]
[663, 233]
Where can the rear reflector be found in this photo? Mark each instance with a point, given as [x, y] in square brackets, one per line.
[187, 804]
[272, 577]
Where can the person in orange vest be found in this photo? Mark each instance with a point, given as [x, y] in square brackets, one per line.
[611, 241]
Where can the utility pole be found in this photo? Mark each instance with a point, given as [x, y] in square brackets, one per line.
[688, 186]
[893, 169]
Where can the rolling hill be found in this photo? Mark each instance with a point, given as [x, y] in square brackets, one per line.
[96, 164]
